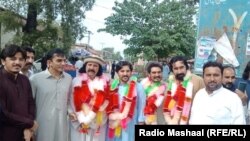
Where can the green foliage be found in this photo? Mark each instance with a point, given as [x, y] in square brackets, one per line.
[155, 28]
[68, 15]
[10, 23]
[46, 40]
[109, 54]
[117, 56]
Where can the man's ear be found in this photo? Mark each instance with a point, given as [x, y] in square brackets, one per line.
[2, 62]
[148, 75]
[49, 62]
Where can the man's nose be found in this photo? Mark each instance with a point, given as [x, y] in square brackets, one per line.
[18, 61]
[179, 71]
[64, 63]
[212, 78]
[230, 80]
[30, 60]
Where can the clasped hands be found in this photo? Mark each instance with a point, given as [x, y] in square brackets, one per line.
[28, 132]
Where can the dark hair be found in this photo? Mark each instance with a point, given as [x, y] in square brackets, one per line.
[83, 69]
[12, 50]
[228, 67]
[245, 74]
[153, 64]
[54, 51]
[43, 63]
[213, 64]
[176, 59]
[29, 49]
[120, 64]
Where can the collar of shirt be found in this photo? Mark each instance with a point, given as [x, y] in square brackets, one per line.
[216, 91]
[49, 75]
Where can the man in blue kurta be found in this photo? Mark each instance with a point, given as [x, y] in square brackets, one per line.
[127, 101]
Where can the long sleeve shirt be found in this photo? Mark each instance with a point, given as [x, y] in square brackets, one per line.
[17, 104]
[220, 107]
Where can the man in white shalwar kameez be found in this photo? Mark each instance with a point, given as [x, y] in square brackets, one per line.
[51, 89]
[89, 100]
[214, 104]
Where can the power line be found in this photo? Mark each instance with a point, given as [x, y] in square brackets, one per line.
[103, 7]
[94, 20]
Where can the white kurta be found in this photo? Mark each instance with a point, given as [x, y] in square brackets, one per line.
[220, 107]
[51, 96]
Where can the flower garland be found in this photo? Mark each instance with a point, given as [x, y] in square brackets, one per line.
[83, 99]
[155, 96]
[177, 107]
[119, 117]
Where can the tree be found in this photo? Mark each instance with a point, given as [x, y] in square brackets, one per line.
[117, 56]
[66, 14]
[109, 54]
[155, 28]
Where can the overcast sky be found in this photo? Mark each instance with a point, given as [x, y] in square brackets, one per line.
[95, 20]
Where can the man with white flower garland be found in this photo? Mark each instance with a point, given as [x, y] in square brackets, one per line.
[181, 88]
[89, 101]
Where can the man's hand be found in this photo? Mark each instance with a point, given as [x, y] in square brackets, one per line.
[34, 127]
[242, 95]
[27, 133]
[72, 117]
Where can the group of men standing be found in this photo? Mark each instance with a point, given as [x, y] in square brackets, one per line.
[100, 109]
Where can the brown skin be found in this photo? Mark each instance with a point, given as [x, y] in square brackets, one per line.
[13, 64]
[56, 65]
[212, 79]
[179, 70]
[155, 74]
[92, 69]
[228, 79]
[124, 74]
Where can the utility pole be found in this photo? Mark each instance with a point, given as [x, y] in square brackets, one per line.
[0, 35]
[102, 51]
[89, 33]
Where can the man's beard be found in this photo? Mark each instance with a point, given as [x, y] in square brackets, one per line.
[180, 76]
[229, 86]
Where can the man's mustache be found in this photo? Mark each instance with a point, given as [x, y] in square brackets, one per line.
[28, 64]
[158, 77]
[125, 76]
[18, 66]
[91, 71]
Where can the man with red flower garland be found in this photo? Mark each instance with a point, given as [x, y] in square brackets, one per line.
[182, 86]
[127, 100]
[89, 101]
[154, 89]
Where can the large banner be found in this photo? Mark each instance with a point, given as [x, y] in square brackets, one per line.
[223, 25]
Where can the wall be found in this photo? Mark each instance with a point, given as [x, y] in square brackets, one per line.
[223, 16]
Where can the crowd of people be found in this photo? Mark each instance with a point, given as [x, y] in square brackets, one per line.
[52, 106]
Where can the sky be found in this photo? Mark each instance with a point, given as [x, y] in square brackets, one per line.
[95, 20]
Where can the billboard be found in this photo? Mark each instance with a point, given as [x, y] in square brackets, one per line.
[223, 33]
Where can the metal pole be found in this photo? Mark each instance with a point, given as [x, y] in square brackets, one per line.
[89, 32]
[0, 35]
